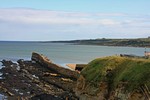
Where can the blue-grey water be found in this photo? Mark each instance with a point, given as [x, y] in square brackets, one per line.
[61, 53]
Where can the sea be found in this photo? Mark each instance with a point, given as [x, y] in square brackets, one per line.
[62, 53]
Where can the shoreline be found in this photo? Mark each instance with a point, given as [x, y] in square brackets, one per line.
[41, 78]
[63, 64]
[34, 79]
[112, 45]
[74, 43]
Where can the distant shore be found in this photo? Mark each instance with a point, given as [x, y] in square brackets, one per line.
[138, 42]
[135, 42]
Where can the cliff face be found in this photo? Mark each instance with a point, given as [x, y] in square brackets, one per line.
[115, 78]
[86, 91]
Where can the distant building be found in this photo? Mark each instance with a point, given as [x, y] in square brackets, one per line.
[147, 54]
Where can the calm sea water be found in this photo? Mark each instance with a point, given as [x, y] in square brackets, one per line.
[61, 53]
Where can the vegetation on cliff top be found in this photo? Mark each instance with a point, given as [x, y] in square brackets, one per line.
[134, 72]
[139, 42]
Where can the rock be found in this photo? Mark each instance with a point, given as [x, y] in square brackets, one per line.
[7, 62]
[57, 68]
[45, 97]
[36, 80]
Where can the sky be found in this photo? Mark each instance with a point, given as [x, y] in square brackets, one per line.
[51, 20]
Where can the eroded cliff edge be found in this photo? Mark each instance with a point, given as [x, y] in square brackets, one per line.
[115, 78]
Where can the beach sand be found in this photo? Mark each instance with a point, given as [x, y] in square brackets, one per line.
[72, 66]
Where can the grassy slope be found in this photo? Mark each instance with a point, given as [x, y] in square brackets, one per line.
[138, 42]
[142, 42]
[134, 71]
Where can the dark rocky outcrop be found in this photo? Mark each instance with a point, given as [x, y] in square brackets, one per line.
[32, 80]
[56, 68]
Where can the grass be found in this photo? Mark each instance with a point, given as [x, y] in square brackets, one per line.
[134, 71]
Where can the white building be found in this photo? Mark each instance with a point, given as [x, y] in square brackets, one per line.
[147, 54]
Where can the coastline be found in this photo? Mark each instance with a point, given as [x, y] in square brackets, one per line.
[41, 78]
[112, 45]
[37, 78]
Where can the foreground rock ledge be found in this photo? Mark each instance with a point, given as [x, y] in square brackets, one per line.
[44, 61]
[37, 79]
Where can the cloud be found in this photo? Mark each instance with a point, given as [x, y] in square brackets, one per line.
[30, 16]
[30, 22]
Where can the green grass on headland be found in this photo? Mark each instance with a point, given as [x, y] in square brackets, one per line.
[135, 72]
[139, 42]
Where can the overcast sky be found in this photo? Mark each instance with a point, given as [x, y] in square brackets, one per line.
[49, 20]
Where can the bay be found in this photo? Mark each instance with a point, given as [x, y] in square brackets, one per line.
[62, 53]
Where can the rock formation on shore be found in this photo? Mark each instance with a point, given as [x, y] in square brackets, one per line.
[39, 78]
[44, 61]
